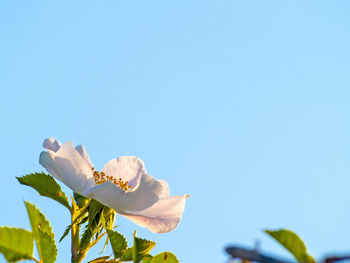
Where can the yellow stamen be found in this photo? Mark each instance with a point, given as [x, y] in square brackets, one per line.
[101, 177]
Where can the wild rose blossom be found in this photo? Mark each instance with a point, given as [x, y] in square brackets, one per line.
[122, 184]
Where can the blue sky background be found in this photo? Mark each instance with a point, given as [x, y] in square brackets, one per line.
[242, 104]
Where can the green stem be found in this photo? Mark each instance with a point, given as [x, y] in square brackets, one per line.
[75, 237]
[33, 258]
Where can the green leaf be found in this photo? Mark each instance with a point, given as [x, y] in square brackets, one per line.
[80, 200]
[108, 217]
[66, 232]
[293, 243]
[37, 220]
[46, 186]
[118, 243]
[48, 247]
[141, 248]
[95, 241]
[128, 255]
[94, 225]
[95, 210]
[165, 257]
[79, 219]
[105, 245]
[16, 244]
[147, 259]
[107, 221]
[85, 239]
[42, 233]
[99, 259]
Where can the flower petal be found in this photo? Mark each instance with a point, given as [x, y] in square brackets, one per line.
[144, 195]
[68, 166]
[166, 191]
[46, 160]
[128, 168]
[52, 144]
[162, 217]
[81, 150]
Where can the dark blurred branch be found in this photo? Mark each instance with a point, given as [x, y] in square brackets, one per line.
[335, 259]
[251, 255]
[255, 256]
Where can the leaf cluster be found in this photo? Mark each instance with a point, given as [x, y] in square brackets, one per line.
[90, 221]
[139, 252]
[17, 244]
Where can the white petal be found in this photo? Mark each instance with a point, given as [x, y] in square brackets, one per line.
[81, 150]
[162, 217]
[144, 195]
[166, 191]
[68, 166]
[52, 144]
[46, 160]
[129, 168]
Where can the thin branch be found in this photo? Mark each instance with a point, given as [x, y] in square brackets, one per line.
[336, 259]
[33, 258]
[254, 255]
[251, 255]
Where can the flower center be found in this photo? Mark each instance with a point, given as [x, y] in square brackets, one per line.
[101, 177]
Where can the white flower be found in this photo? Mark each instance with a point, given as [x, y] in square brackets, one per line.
[123, 185]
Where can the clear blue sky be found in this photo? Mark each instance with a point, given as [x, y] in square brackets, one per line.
[242, 104]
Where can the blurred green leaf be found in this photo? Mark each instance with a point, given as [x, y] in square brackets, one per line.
[141, 248]
[46, 185]
[118, 243]
[165, 257]
[16, 244]
[293, 243]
